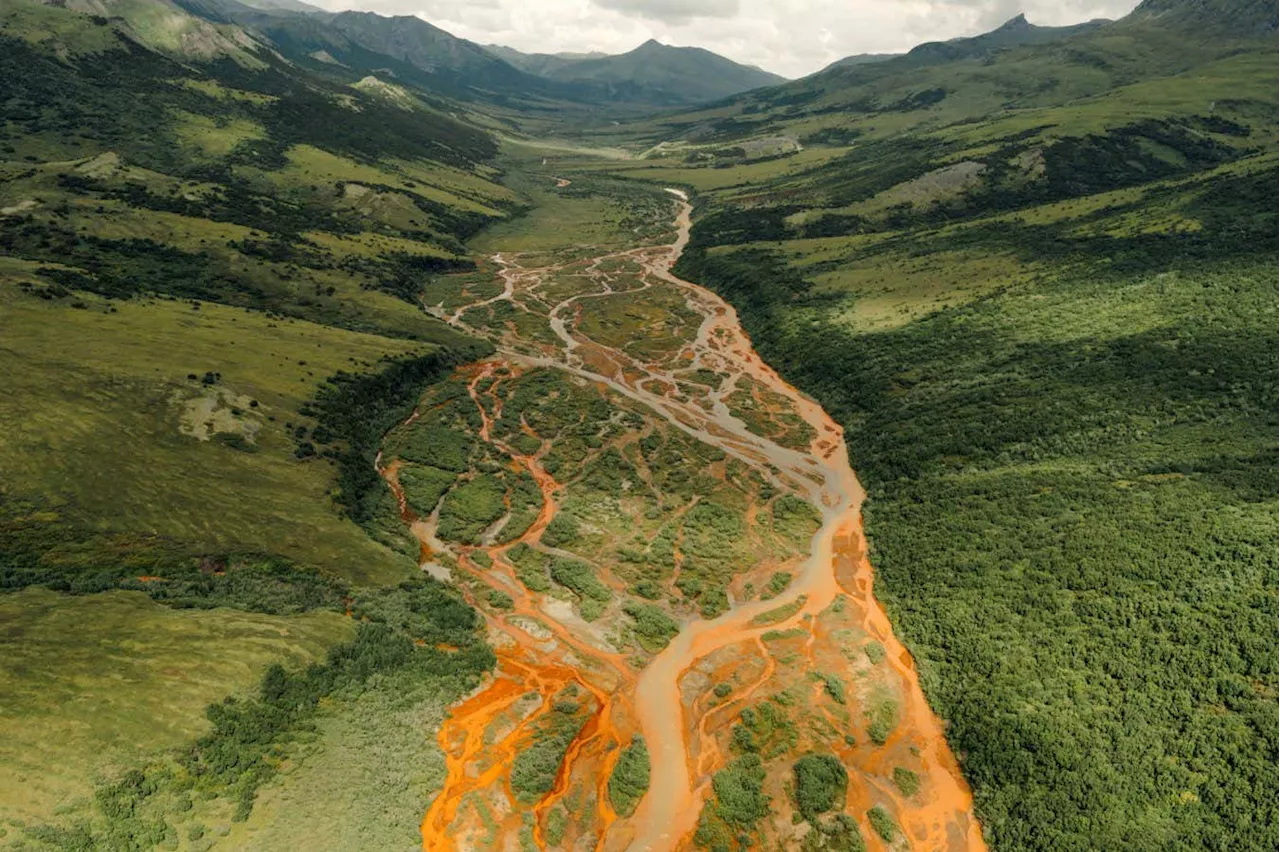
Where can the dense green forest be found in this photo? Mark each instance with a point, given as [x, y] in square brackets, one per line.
[1072, 514]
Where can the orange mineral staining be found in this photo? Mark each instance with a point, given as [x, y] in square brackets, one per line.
[830, 614]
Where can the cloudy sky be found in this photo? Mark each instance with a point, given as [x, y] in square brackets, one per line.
[788, 37]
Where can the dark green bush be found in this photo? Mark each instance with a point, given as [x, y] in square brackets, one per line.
[821, 782]
[630, 779]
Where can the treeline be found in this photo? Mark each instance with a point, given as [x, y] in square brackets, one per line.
[39, 547]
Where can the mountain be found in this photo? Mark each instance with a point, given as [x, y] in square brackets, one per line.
[656, 73]
[542, 64]
[285, 6]
[1251, 18]
[1016, 32]
[428, 48]
[1016, 66]
[357, 44]
[414, 52]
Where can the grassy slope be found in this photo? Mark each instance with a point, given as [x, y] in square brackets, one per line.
[93, 424]
[235, 182]
[1059, 388]
[92, 682]
[366, 779]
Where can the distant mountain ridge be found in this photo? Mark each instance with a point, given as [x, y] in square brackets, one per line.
[653, 72]
[419, 53]
[541, 64]
[1015, 32]
[860, 59]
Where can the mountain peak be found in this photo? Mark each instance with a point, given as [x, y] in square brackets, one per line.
[1017, 23]
[651, 44]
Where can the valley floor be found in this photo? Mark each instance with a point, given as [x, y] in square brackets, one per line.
[665, 539]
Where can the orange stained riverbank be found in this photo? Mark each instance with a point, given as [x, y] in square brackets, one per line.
[483, 733]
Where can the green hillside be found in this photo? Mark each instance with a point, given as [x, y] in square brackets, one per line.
[210, 262]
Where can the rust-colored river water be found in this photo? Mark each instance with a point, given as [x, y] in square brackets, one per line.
[483, 733]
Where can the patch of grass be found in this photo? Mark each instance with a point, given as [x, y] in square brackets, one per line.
[594, 211]
[531, 567]
[534, 771]
[833, 686]
[562, 531]
[432, 445]
[906, 780]
[579, 578]
[875, 652]
[362, 780]
[557, 822]
[402, 632]
[779, 614]
[108, 395]
[838, 834]
[424, 486]
[525, 504]
[795, 518]
[766, 729]
[737, 804]
[654, 628]
[470, 508]
[881, 715]
[777, 584]
[883, 824]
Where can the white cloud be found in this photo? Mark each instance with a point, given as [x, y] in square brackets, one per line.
[789, 37]
[672, 11]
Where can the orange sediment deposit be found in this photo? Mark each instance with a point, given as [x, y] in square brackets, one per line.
[480, 749]
[808, 649]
